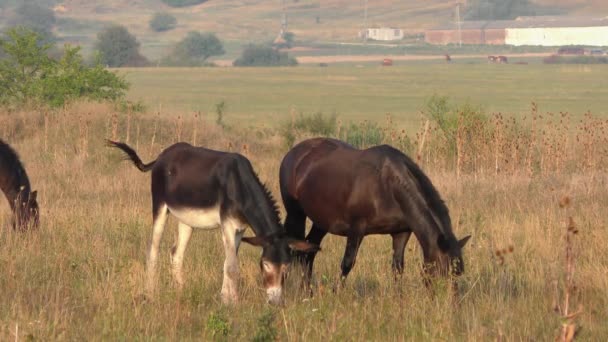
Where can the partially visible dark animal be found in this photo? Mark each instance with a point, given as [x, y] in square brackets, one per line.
[209, 189]
[492, 59]
[447, 57]
[16, 187]
[503, 59]
[354, 193]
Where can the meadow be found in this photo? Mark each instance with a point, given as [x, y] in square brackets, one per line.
[521, 184]
[267, 96]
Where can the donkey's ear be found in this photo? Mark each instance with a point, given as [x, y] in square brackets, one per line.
[255, 241]
[303, 246]
[443, 243]
[33, 195]
[464, 241]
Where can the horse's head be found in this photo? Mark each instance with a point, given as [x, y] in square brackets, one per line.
[275, 261]
[447, 256]
[27, 211]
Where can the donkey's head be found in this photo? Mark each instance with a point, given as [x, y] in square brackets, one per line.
[446, 257]
[27, 211]
[275, 261]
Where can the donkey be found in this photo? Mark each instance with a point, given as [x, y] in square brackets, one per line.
[16, 187]
[208, 189]
[354, 193]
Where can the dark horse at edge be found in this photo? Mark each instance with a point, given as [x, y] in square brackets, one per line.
[354, 193]
[16, 187]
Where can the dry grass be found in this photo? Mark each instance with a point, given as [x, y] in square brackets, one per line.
[80, 275]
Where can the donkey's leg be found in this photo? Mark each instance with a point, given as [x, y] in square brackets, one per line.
[350, 254]
[231, 235]
[399, 242]
[160, 218]
[315, 236]
[177, 253]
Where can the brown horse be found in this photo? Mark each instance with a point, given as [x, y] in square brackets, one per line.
[16, 187]
[354, 193]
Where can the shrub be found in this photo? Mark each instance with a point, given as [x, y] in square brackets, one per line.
[163, 21]
[266, 330]
[363, 135]
[258, 55]
[183, 3]
[555, 59]
[316, 124]
[118, 47]
[29, 75]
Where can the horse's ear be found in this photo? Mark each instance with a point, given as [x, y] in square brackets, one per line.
[255, 241]
[464, 241]
[33, 195]
[303, 246]
[443, 243]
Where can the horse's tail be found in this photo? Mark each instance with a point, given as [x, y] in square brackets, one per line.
[131, 155]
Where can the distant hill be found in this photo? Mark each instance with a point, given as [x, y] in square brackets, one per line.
[240, 21]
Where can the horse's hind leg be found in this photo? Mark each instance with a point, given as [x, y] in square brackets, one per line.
[350, 254]
[399, 242]
[295, 222]
[177, 253]
[315, 236]
[160, 218]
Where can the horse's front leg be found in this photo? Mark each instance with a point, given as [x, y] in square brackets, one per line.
[231, 236]
[399, 242]
[177, 253]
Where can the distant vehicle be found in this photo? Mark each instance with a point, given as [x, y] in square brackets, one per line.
[571, 51]
[387, 62]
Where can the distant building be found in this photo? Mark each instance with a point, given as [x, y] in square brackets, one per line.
[543, 31]
[382, 33]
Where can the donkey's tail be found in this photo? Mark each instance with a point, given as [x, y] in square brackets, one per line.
[131, 155]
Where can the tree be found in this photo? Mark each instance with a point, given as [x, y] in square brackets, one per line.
[36, 17]
[195, 49]
[258, 55]
[498, 9]
[118, 47]
[28, 75]
[162, 21]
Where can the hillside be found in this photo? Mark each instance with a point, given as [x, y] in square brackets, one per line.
[241, 21]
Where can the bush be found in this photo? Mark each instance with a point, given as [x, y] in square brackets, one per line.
[258, 55]
[195, 49]
[118, 47]
[316, 124]
[163, 21]
[183, 3]
[29, 75]
[498, 9]
[364, 135]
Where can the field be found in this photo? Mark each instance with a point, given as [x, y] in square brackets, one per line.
[512, 183]
[269, 96]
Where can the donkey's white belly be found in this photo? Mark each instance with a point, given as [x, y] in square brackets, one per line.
[208, 218]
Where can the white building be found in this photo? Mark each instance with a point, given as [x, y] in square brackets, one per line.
[383, 33]
[558, 31]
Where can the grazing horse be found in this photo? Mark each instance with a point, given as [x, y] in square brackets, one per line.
[16, 187]
[208, 189]
[447, 57]
[354, 193]
[502, 59]
[492, 59]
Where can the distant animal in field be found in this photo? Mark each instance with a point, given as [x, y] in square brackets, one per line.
[498, 59]
[355, 193]
[16, 187]
[387, 62]
[447, 57]
[208, 189]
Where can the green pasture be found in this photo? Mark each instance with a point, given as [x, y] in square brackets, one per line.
[270, 95]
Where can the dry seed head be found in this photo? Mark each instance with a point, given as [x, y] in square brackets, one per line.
[564, 202]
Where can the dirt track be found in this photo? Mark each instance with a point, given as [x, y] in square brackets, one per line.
[379, 58]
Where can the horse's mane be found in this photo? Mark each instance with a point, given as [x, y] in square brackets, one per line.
[260, 193]
[12, 169]
[429, 192]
